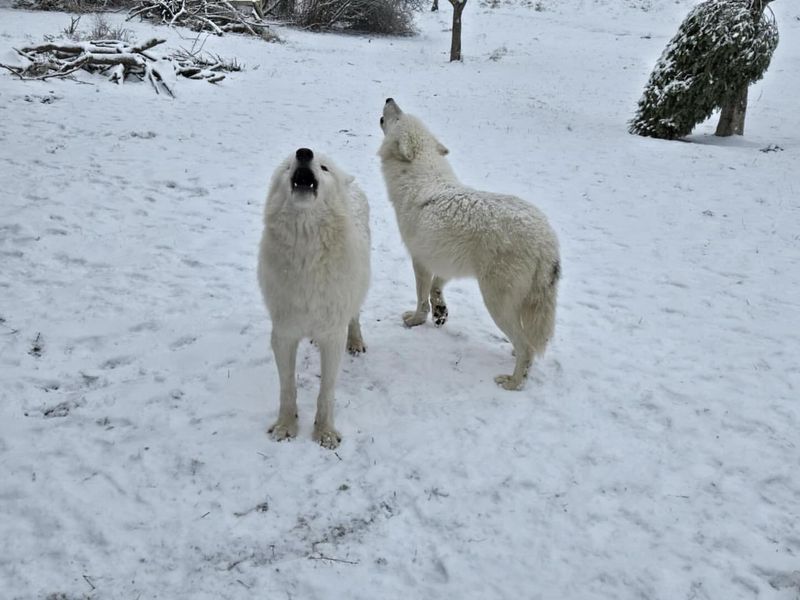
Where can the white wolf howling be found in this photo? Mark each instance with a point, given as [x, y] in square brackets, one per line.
[451, 231]
[313, 269]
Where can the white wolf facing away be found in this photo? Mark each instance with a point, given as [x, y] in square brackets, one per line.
[313, 269]
[454, 231]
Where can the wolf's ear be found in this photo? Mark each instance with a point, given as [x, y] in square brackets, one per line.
[442, 149]
[406, 146]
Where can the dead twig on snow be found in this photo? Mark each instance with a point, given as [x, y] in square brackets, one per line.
[332, 559]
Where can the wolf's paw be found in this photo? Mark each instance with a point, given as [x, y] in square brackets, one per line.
[508, 382]
[327, 437]
[413, 318]
[283, 429]
[356, 347]
[439, 314]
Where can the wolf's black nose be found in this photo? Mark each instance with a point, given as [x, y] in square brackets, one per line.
[304, 155]
[389, 100]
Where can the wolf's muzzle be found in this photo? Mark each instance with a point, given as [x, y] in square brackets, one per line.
[303, 180]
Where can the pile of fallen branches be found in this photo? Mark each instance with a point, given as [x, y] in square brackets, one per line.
[213, 16]
[196, 65]
[118, 60]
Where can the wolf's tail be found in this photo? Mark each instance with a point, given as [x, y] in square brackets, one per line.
[538, 313]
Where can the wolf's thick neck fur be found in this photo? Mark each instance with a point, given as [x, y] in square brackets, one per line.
[426, 163]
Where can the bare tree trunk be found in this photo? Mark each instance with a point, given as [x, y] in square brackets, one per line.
[435, 6]
[455, 44]
[731, 120]
[734, 109]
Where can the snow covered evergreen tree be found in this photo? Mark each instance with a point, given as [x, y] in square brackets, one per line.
[721, 48]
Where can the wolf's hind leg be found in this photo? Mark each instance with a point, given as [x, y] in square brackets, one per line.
[515, 381]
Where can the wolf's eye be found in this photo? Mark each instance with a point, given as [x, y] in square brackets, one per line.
[381, 120]
[323, 167]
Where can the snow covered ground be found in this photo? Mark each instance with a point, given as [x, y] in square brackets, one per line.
[653, 454]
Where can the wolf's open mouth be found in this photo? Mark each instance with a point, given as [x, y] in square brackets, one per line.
[303, 180]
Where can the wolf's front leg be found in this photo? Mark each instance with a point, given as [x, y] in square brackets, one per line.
[331, 348]
[285, 350]
[437, 301]
[424, 278]
[355, 343]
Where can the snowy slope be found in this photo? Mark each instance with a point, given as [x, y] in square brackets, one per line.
[653, 454]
